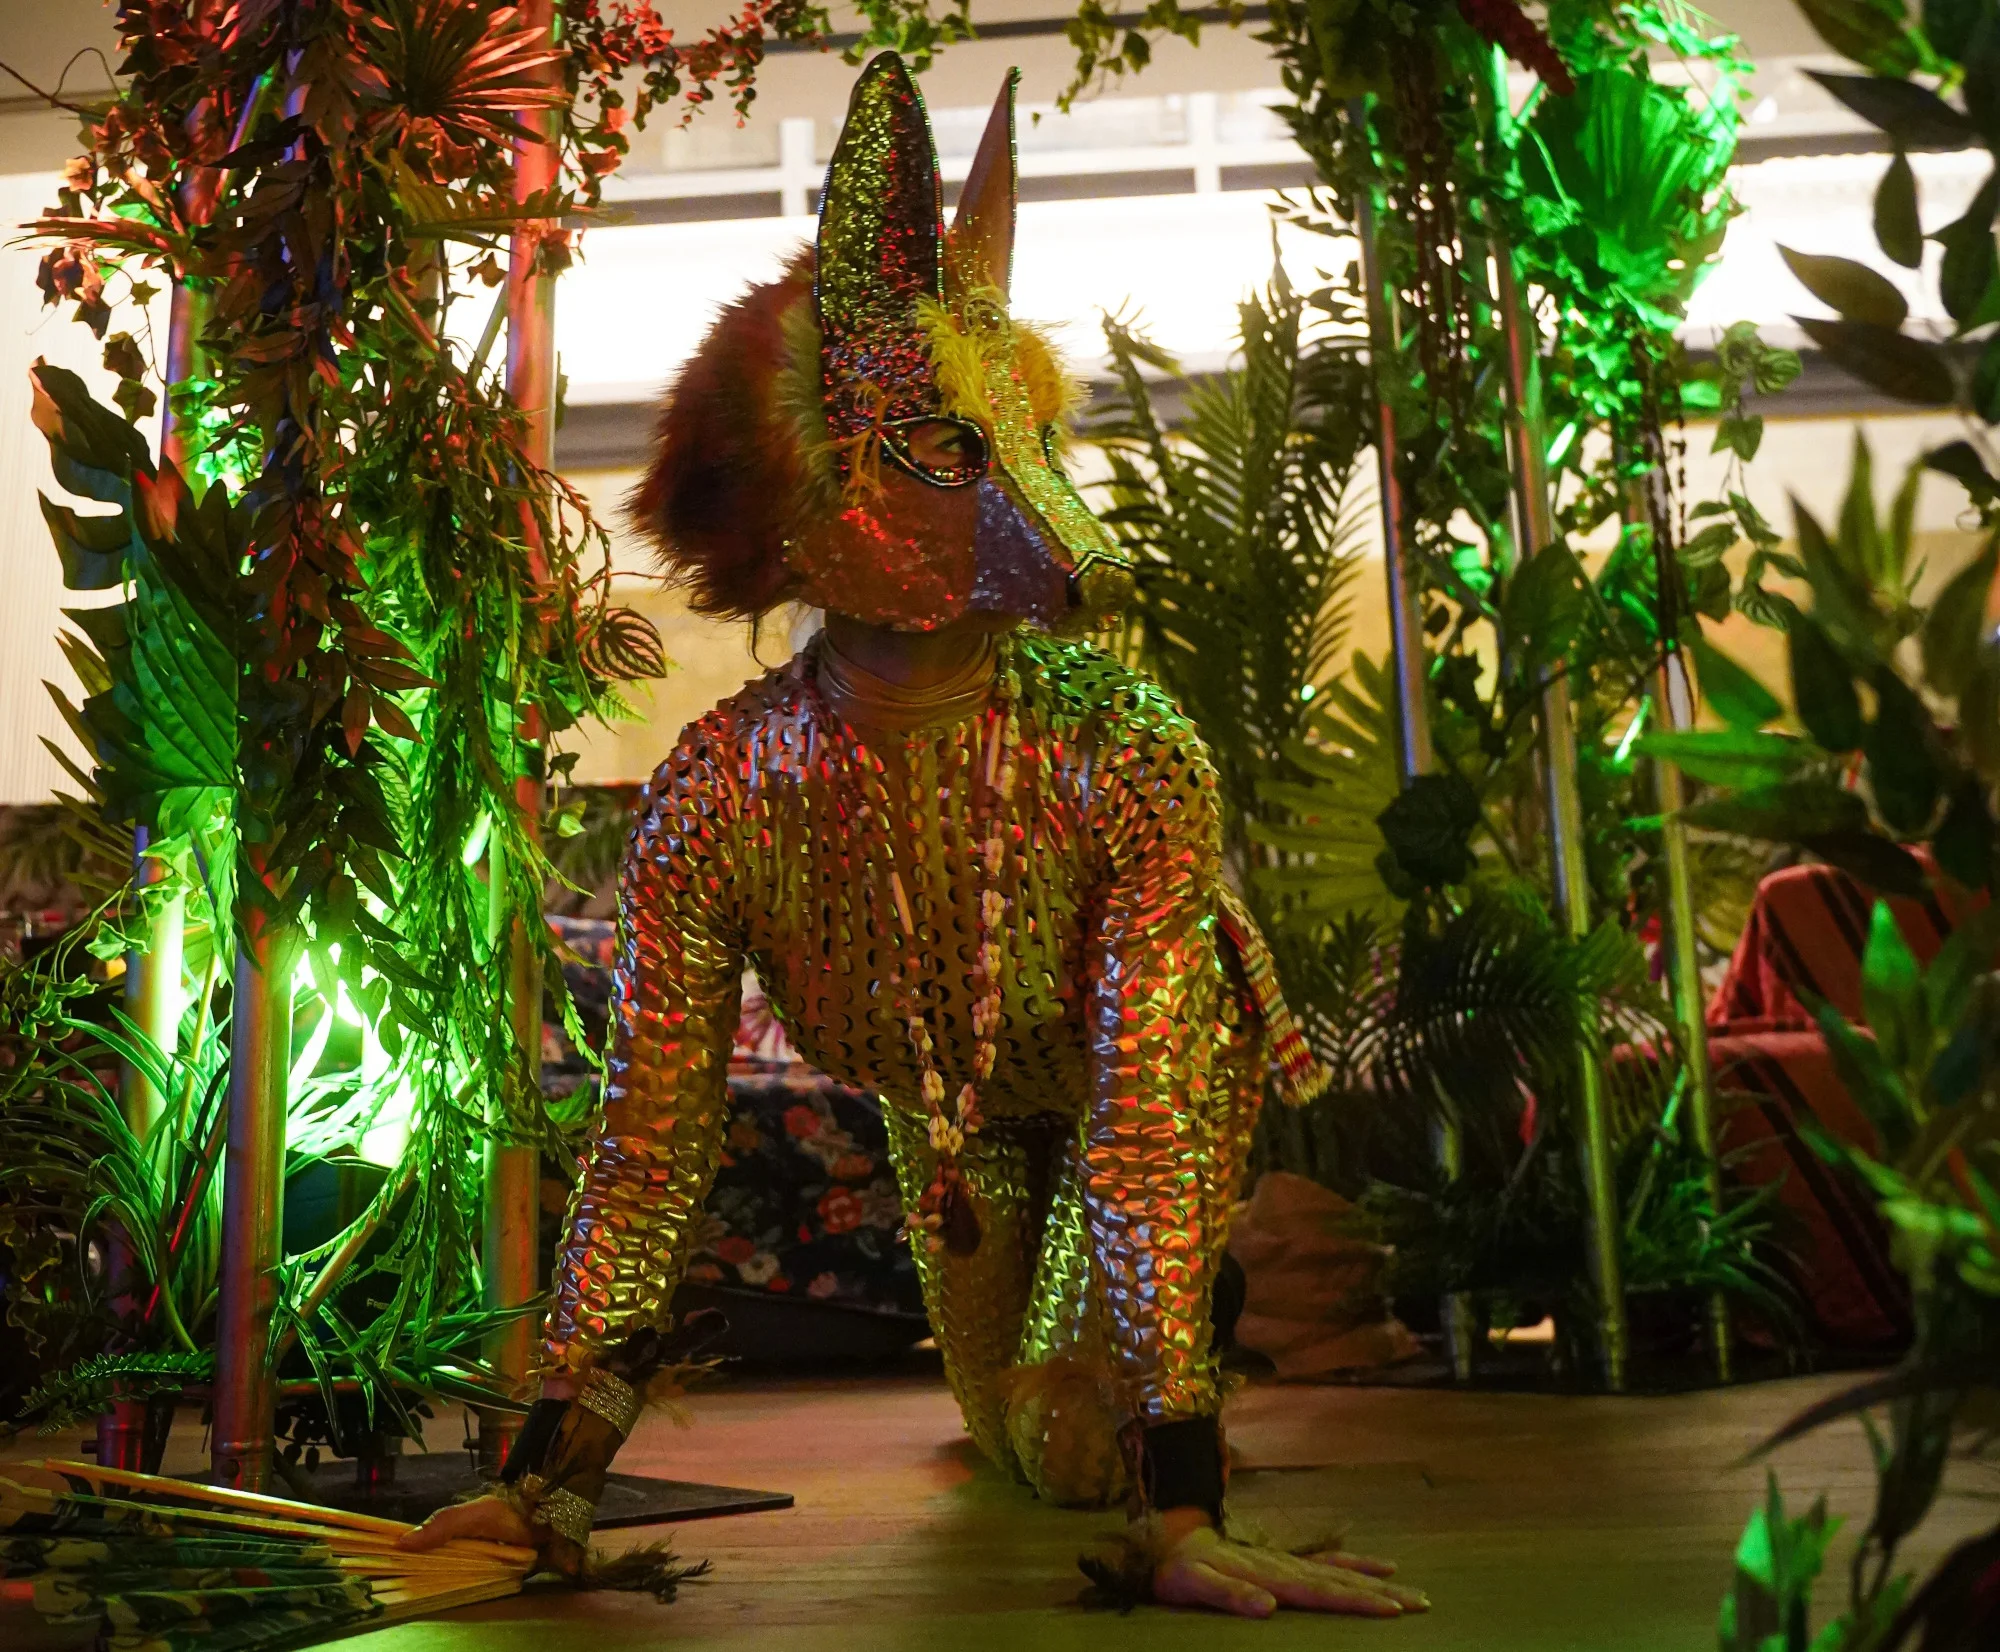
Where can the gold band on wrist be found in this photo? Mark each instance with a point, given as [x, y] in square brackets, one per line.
[565, 1514]
[611, 1397]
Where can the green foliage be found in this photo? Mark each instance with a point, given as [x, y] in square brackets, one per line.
[1493, 1004]
[1324, 830]
[1609, 189]
[1613, 198]
[1743, 368]
[75, 1174]
[158, 668]
[1955, 47]
[1516, 1244]
[87, 1388]
[912, 28]
[350, 621]
[1925, 1071]
[1245, 527]
[1927, 778]
[1777, 1563]
[1619, 186]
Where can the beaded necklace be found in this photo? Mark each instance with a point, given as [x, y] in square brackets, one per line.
[944, 1212]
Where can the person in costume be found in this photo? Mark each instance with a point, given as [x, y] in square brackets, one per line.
[975, 865]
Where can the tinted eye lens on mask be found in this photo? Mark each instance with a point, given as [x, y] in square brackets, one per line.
[947, 453]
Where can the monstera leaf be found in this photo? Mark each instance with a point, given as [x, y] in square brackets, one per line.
[159, 716]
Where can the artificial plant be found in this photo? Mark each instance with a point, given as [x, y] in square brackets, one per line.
[1241, 522]
[1604, 194]
[1891, 773]
[1894, 780]
[343, 596]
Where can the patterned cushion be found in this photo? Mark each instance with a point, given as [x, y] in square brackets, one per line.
[1807, 932]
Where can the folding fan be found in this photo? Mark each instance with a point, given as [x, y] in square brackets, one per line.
[166, 1566]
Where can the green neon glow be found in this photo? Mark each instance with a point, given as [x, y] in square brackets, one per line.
[475, 845]
[383, 1101]
[1632, 731]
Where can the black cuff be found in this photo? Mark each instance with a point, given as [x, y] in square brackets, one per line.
[531, 1445]
[1180, 1465]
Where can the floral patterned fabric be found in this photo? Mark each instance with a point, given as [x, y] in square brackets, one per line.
[804, 1203]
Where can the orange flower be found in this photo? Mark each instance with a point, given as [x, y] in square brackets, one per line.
[840, 1210]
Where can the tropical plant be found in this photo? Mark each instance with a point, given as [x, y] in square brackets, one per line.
[1917, 66]
[1894, 779]
[1246, 527]
[1573, 228]
[1473, 1006]
[108, 1226]
[1925, 1074]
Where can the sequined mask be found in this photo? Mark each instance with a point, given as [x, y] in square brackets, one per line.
[943, 416]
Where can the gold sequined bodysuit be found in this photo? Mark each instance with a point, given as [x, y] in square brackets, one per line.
[1139, 1012]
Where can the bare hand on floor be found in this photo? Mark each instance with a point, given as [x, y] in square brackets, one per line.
[1204, 1568]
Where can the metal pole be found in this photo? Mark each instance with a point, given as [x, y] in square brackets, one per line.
[1406, 630]
[1572, 879]
[510, 1254]
[152, 974]
[1407, 654]
[1674, 704]
[1676, 711]
[153, 977]
[253, 1165]
[253, 1196]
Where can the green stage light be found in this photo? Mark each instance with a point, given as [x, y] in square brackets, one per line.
[475, 845]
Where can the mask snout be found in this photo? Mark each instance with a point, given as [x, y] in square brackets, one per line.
[1013, 569]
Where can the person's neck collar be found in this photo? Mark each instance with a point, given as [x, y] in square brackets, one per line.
[865, 697]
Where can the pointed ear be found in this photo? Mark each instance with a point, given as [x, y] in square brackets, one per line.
[982, 234]
[880, 227]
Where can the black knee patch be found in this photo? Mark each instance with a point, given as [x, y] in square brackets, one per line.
[1225, 1301]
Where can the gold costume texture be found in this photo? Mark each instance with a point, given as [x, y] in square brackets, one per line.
[1137, 1024]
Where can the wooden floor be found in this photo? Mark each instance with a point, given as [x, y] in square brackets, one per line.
[1537, 1524]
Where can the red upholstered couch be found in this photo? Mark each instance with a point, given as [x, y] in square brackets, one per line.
[1807, 931]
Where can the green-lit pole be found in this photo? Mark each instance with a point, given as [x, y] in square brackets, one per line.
[253, 1164]
[153, 987]
[153, 975]
[1675, 712]
[1674, 706]
[510, 1254]
[1409, 662]
[1572, 878]
[253, 1193]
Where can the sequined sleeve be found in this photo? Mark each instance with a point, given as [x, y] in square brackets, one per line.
[1153, 986]
[678, 989]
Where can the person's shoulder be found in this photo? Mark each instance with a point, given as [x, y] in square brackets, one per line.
[720, 742]
[1084, 685]
[1081, 681]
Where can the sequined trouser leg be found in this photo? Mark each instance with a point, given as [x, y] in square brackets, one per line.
[976, 1303]
[1018, 1321]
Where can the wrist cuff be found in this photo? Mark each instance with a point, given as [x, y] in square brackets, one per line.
[1180, 1465]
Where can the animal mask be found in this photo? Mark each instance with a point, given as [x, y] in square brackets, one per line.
[873, 433]
[914, 332]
